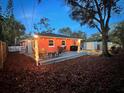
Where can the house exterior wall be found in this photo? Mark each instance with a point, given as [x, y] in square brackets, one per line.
[90, 45]
[43, 43]
[95, 45]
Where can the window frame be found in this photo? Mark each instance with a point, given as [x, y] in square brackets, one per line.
[49, 43]
[62, 43]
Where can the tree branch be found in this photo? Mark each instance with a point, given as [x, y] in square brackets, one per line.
[77, 4]
[99, 12]
[96, 19]
[108, 18]
[98, 29]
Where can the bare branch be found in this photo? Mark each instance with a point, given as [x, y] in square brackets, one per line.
[108, 17]
[98, 28]
[99, 12]
[97, 19]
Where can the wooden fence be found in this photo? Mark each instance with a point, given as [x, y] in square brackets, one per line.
[3, 53]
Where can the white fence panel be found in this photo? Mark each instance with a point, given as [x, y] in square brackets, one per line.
[16, 49]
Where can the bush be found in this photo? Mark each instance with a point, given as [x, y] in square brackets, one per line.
[116, 50]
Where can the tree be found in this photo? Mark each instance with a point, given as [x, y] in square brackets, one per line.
[43, 26]
[11, 32]
[1, 21]
[2, 24]
[95, 37]
[65, 31]
[0, 8]
[68, 32]
[117, 35]
[9, 24]
[95, 13]
[9, 9]
[79, 34]
[39, 1]
[11, 29]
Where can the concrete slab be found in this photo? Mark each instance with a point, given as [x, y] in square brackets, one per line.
[62, 57]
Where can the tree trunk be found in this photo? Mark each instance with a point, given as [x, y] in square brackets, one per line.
[122, 45]
[105, 44]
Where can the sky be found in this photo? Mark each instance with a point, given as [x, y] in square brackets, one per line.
[28, 12]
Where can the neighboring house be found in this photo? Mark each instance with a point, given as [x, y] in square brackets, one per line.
[95, 45]
[50, 42]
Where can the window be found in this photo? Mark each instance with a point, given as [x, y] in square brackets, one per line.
[51, 43]
[63, 43]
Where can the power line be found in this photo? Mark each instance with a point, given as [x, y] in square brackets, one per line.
[23, 11]
[33, 15]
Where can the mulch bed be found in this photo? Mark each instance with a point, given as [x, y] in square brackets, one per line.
[87, 74]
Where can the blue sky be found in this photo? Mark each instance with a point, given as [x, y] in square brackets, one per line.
[29, 12]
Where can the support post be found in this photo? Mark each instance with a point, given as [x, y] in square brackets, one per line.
[36, 50]
[79, 44]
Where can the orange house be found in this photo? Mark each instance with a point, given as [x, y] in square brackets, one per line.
[50, 42]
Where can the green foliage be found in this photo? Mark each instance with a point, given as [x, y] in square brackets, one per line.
[95, 37]
[68, 32]
[9, 9]
[10, 29]
[65, 31]
[43, 26]
[1, 21]
[39, 1]
[80, 34]
[117, 35]
[96, 14]
[92, 12]
[0, 8]
[1, 31]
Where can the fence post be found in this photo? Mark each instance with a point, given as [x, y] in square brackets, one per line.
[1, 55]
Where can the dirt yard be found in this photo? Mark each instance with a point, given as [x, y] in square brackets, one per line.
[87, 74]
